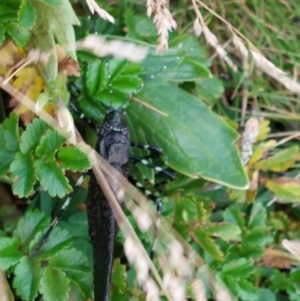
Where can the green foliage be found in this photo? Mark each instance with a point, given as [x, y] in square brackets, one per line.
[32, 155]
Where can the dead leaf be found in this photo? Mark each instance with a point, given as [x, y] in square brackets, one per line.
[278, 259]
[65, 63]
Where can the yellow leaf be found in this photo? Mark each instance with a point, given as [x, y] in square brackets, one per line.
[10, 55]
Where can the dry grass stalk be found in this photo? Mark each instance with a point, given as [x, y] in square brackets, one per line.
[100, 47]
[261, 61]
[163, 21]
[211, 39]
[94, 7]
[293, 246]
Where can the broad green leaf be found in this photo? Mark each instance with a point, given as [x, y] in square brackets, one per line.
[72, 158]
[285, 189]
[27, 15]
[30, 224]
[52, 178]
[278, 280]
[31, 138]
[56, 23]
[233, 215]
[266, 295]
[198, 142]
[27, 278]
[209, 89]
[22, 174]
[6, 157]
[84, 281]
[226, 231]
[119, 276]
[208, 244]
[70, 260]
[18, 33]
[281, 161]
[9, 252]
[239, 268]
[55, 285]
[48, 145]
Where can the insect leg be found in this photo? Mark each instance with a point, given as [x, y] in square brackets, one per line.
[58, 216]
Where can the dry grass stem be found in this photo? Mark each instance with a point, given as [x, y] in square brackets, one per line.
[94, 7]
[260, 60]
[100, 47]
[293, 246]
[163, 21]
[250, 133]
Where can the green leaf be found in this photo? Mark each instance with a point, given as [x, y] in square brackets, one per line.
[6, 157]
[56, 23]
[2, 33]
[57, 241]
[208, 244]
[240, 268]
[258, 216]
[70, 260]
[27, 15]
[119, 276]
[226, 231]
[55, 285]
[285, 189]
[233, 215]
[52, 179]
[9, 253]
[279, 281]
[247, 291]
[33, 135]
[30, 224]
[48, 145]
[266, 295]
[281, 161]
[84, 281]
[27, 278]
[7, 13]
[209, 89]
[11, 133]
[18, 33]
[198, 143]
[72, 158]
[23, 176]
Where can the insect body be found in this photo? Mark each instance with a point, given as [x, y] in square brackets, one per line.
[113, 145]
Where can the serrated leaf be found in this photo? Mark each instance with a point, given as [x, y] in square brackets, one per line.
[279, 281]
[247, 291]
[6, 157]
[52, 178]
[70, 260]
[33, 135]
[57, 241]
[208, 244]
[57, 22]
[30, 224]
[226, 231]
[22, 174]
[18, 33]
[240, 268]
[258, 216]
[27, 278]
[119, 276]
[198, 142]
[9, 252]
[48, 145]
[27, 15]
[281, 161]
[74, 159]
[84, 281]
[285, 189]
[55, 285]
[11, 133]
[7, 13]
[233, 215]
